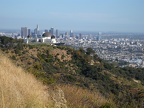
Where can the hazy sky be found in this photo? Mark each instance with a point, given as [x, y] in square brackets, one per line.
[83, 15]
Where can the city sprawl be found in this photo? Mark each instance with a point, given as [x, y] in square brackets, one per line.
[125, 49]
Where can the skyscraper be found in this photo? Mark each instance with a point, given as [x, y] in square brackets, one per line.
[29, 32]
[57, 33]
[99, 36]
[46, 30]
[37, 27]
[24, 32]
[52, 31]
[66, 34]
[80, 36]
[36, 30]
[71, 33]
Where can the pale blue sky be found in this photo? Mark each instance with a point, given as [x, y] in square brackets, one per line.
[83, 15]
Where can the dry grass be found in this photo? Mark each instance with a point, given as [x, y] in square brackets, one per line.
[81, 98]
[61, 53]
[19, 89]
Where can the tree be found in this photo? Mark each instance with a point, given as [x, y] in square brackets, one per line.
[81, 50]
[89, 51]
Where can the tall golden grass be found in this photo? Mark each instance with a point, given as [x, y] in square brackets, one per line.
[19, 89]
[82, 98]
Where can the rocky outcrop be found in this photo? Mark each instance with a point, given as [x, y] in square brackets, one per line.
[58, 97]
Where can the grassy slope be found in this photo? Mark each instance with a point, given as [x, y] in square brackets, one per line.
[19, 89]
[82, 98]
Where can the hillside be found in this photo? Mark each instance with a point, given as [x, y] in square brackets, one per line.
[79, 70]
[19, 89]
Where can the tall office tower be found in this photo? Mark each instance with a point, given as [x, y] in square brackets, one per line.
[57, 33]
[29, 32]
[49, 30]
[24, 32]
[36, 30]
[80, 36]
[71, 33]
[66, 34]
[99, 36]
[37, 27]
[46, 30]
[52, 31]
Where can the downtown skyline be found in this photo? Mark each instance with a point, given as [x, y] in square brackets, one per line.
[82, 15]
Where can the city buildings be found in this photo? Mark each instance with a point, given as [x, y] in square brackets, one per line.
[36, 31]
[46, 30]
[125, 49]
[29, 32]
[71, 33]
[57, 33]
[52, 31]
[24, 32]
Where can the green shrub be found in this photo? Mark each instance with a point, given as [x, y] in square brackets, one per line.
[107, 105]
[13, 57]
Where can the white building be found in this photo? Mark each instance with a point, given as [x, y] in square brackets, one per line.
[46, 38]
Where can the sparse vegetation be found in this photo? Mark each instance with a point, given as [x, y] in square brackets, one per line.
[80, 70]
[20, 89]
[82, 98]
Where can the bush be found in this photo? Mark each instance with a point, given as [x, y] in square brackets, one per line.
[107, 105]
[13, 57]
